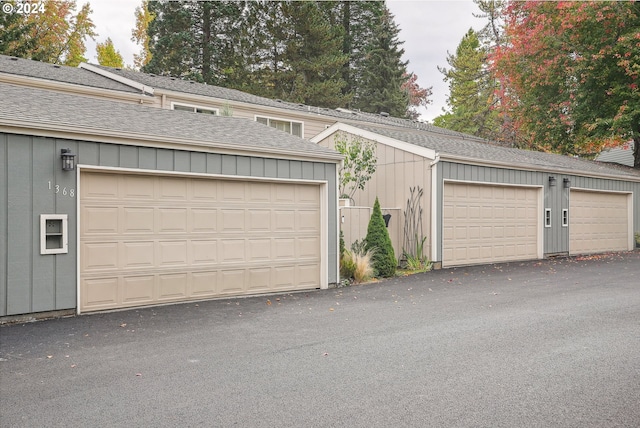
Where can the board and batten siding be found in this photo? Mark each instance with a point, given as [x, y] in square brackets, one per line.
[556, 198]
[31, 173]
[396, 172]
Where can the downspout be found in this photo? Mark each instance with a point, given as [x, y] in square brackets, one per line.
[433, 166]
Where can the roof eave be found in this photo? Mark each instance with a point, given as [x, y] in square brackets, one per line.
[56, 130]
[525, 167]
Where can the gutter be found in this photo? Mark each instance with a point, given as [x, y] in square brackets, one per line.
[46, 129]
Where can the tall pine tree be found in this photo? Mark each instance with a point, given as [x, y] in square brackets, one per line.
[383, 71]
[194, 40]
[471, 90]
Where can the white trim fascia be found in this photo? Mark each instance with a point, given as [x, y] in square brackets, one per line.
[586, 189]
[387, 141]
[74, 88]
[493, 183]
[55, 130]
[143, 88]
[521, 167]
[78, 184]
[141, 171]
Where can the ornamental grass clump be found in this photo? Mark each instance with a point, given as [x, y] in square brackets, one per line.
[378, 241]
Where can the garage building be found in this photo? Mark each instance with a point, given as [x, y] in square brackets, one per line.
[159, 206]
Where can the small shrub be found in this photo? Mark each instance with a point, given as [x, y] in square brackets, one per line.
[638, 239]
[342, 247]
[384, 259]
[363, 267]
[347, 265]
[418, 262]
[358, 246]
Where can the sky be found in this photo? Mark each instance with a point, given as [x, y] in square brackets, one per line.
[429, 28]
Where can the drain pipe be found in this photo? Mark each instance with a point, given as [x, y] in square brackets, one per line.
[433, 166]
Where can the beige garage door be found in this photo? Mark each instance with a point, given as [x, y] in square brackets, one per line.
[152, 239]
[486, 224]
[598, 222]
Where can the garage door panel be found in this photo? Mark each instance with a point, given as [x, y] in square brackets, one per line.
[136, 254]
[165, 239]
[171, 189]
[172, 220]
[100, 220]
[172, 286]
[204, 220]
[598, 222]
[97, 256]
[136, 188]
[100, 293]
[138, 288]
[204, 284]
[137, 220]
[487, 223]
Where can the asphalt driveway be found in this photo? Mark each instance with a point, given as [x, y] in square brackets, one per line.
[553, 343]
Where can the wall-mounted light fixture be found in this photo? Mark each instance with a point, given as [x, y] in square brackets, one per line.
[566, 183]
[68, 160]
[552, 181]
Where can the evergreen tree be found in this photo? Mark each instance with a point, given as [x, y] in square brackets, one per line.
[383, 72]
[194, 40]
[470, 91]
[313, 58]
[378, 240]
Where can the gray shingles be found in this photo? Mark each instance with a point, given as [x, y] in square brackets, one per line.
[50, 107]
[59, 73]
[482, 151]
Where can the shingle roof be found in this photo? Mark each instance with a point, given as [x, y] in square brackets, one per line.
[483, 151]
[49, 108]
[190, 87]
[59, 73]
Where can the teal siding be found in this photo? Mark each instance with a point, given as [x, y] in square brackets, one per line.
[556, 198]
[30, 168]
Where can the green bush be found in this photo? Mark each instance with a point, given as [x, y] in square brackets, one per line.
[341, 244]
[347, 265]
[378, 241]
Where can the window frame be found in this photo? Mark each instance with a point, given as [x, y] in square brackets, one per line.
[195, 107]
[281, 119]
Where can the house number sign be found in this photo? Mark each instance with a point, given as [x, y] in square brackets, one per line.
[65, 191]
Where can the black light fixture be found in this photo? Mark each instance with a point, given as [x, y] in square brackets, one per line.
[68, 160]
[552, 181]
[566, 183]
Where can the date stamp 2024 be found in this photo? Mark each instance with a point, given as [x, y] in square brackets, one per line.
[23, 7]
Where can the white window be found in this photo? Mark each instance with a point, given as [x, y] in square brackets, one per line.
[194, 109]
[288, 126]
[565, 217]
[547, 217]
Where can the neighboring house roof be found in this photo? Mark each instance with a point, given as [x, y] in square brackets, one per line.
[622, 155]
[450, 147]
[176, 84]
[28, 110]
[60, 73]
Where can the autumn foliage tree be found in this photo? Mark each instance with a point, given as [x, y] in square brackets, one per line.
[56, 34]
[108, 55]
[570, 75]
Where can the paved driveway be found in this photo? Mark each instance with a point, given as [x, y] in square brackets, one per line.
[554, 343]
